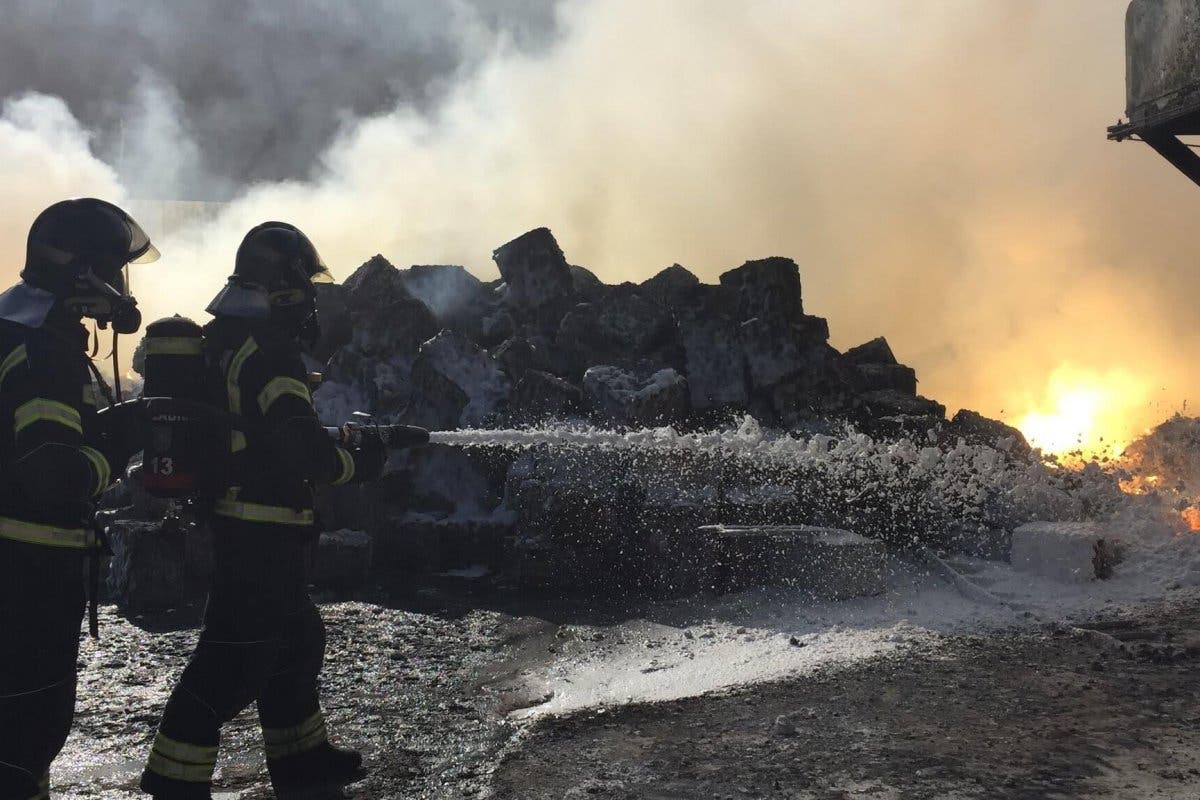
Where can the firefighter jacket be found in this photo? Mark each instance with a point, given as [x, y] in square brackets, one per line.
[283, 452]
[52, 450]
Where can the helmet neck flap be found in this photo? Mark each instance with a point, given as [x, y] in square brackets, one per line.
[273, 280]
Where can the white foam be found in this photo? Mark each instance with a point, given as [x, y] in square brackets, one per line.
[692, 648]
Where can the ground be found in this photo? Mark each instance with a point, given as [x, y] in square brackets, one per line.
[455, 696]
[1035, 713]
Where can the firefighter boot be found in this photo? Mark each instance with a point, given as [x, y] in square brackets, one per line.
[163, 788]
[322, 767]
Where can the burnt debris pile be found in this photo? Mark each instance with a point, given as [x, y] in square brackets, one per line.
[596, 428]
[589, 432]
[435, 346]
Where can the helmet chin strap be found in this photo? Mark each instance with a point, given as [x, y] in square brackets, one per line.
[116, 366]
[116, 361]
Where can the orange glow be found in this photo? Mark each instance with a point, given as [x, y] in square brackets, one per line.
[1191, 515]
[1140, 484]
[1084, 415]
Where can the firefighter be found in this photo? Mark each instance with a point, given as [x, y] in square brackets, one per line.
[263, 639]
[56, 458]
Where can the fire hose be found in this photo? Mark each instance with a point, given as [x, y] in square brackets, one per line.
[362, 428]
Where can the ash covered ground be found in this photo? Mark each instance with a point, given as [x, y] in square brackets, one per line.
[457, 688]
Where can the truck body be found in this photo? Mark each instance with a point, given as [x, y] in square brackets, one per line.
[1162, 79]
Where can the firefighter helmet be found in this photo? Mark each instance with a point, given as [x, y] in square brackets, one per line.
[273, 276]
[74, 256]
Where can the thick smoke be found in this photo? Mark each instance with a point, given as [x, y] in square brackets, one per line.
[939, 170]
[257, 88]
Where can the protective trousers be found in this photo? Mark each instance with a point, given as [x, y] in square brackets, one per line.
[41, 609]
[263, 640]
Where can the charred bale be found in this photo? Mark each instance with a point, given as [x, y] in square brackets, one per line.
[373, 369]
[622, 328]
[976, 429]
[878, 369]
[456, 383]
[626, 398]
[517, 355]
[778, 341]
[387, 321]
[588, 287]
[894, 377]
[708, 334]
[538, 285]
[888, 413]
[457, 298]
[876, 351]
[822, 386]
[669, 286]
[885, 402]
[158, 564]
[540, 395]
[769, 287]
[775, 349]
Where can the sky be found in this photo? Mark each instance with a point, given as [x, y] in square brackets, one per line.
[938, 170]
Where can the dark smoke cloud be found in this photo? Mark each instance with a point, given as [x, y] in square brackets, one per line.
[257, 87]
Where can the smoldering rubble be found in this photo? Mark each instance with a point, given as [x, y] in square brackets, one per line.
[590, 434]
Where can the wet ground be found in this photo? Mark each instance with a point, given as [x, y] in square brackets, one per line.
[432, 688]
[403, 686]
[1054, 712]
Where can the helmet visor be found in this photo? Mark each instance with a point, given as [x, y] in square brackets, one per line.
[141, 251]
[322, 273]
[148, 256]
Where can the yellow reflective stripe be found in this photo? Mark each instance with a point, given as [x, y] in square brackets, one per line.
[99, 466]
[47, 535]
[183, 752]
[174, 346]
[347, 466]
[237, 441]
[256, 512]
[41, 409]
[182, 761]
[281, 742]
[191, 773]
[12, 360]
[249, 348]
[277, 387]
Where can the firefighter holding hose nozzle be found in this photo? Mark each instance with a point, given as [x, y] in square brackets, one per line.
[263, 639]
[57, 455]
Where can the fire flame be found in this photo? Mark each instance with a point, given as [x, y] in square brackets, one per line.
[1086, 415]
[1191, 515]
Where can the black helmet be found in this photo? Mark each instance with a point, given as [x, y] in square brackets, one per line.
[76, 251]
[273, 276]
